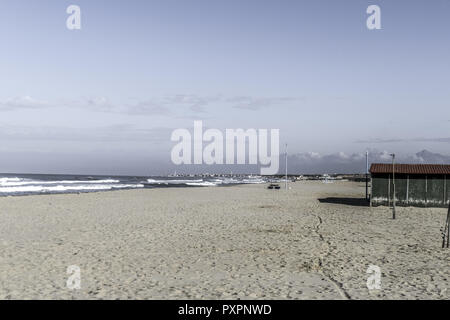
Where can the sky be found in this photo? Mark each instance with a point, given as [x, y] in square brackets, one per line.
[104, 99]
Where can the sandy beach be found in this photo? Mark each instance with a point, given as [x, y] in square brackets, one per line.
[314, 241]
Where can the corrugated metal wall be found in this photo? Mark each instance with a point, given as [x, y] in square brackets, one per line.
[411, 190]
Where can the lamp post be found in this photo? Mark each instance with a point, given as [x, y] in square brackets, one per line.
[393, 185]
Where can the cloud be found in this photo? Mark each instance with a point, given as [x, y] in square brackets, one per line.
[112, 133]
[24, 102]
[195, 103]
[254, 104]
[100, 104]
[168, 105]
[315, 163]
[148, 108]
[444, 140]
[340, 162]
[185, 105]
[378, 140]
[426, 156]
[173, 105]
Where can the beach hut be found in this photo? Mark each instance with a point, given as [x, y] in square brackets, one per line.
[424, 185]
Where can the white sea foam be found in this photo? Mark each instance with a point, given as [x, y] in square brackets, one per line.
[33, 184]
[9, 182]
[187, 182]
[153, 181]
[63, 188]
[206, 183]
[202, 184]
[253, 180]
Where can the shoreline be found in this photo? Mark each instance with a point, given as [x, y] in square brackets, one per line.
[119, 189]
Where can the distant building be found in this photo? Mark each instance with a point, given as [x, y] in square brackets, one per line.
[424, 185]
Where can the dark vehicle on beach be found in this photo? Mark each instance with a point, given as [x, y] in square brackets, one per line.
[273, 186]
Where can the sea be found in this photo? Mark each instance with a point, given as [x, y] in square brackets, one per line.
[35, 184]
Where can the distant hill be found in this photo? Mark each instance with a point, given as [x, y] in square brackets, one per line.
[426, 156]
[314, 163]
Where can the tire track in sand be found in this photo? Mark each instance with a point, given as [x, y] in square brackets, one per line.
[338, 285]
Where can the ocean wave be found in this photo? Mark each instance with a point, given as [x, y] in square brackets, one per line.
[253, 181]
[153, 181]
[202, 184]
[10, 179]
[42, 184]
[63, 188]
[208, 182]
[11, 182]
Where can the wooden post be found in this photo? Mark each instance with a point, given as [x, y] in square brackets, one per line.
[367, 175]
[389, 190]
[371, 190]
[445, 190]
[407, 190]
[448, 226]
[446, 232]
[393, 186]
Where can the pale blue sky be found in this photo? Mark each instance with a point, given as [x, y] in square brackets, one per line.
[113, 91]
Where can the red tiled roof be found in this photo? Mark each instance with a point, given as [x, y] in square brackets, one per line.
[411, 168]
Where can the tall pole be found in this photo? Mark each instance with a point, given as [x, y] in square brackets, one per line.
[446, 232]
[286, 170]
[367, 175]
[393, 185]
[448, 228]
